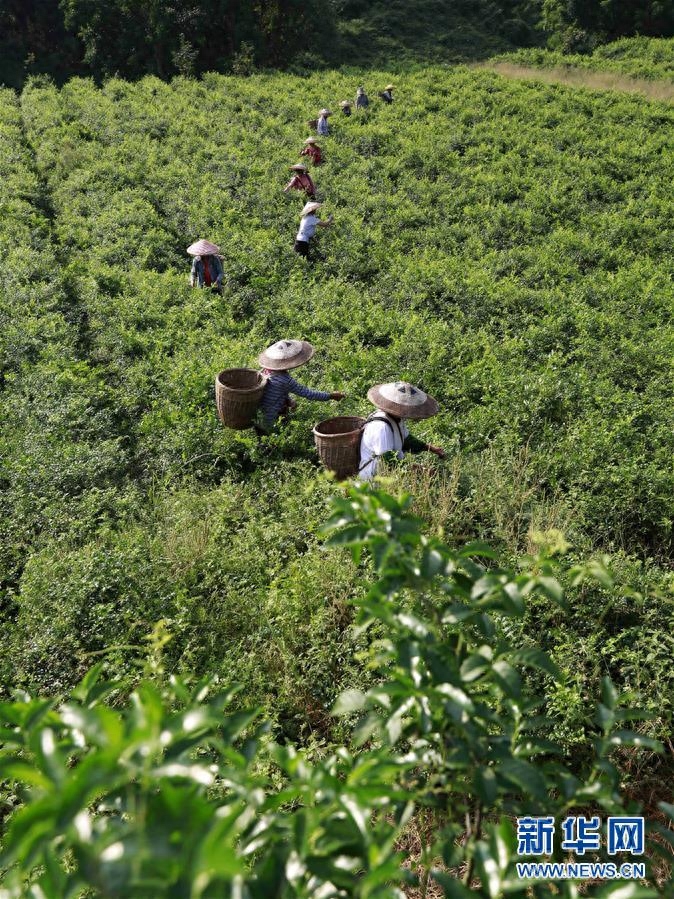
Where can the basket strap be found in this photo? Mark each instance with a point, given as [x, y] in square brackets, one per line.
[370, 418]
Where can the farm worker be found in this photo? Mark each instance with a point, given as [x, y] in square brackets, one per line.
[207, 268]
[386, 94]
[322, 124]
[301, 180]
[309, 221]
[386, 430]
[362, 101]
[345, 106]
[276, 360]
[312, 150]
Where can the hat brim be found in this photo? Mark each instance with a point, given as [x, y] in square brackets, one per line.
[301, 358]
[427, 409]
[203, 248]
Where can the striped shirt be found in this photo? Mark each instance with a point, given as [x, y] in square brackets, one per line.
[276, 391]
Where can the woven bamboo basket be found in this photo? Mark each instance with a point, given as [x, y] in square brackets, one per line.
[238, 392]
[338, 444]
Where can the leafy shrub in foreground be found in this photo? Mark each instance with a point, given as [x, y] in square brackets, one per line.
[172, 793]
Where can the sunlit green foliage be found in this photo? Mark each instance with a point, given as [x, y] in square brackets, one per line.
[507, 247]
[173, 793]
[640, 57]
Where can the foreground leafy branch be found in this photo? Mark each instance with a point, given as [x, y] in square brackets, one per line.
[177, 793]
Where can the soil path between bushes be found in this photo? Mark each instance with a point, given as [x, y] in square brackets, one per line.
[586, 78]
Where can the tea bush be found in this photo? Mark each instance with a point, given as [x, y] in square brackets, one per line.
[505, 246]
[173, 792]
[640, 57]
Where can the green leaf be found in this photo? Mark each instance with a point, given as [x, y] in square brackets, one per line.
[523, 775]
[349, 701]
[533, 657]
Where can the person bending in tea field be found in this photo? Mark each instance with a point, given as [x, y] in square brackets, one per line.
[386, 431]
[301, 180]
[207, 268]
[312, 150]
[322, 127]
[309, 221]
[387, 94]
[362, 100]
[345, 106]
[276, 401]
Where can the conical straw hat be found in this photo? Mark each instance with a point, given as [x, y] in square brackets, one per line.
[286, 354]
[389, 87]
[311, 140]
[299, 167]
[402, 399]
[203, 248]
[310, 207]
[344, 103]
[325, 112]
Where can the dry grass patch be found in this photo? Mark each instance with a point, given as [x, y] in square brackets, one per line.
[577, 77]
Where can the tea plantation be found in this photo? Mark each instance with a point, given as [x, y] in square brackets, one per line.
[508, 247]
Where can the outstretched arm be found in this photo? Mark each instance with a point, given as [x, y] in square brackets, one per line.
[413, 445]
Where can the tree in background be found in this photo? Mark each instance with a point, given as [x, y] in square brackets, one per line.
[131, 38]
[581, 25]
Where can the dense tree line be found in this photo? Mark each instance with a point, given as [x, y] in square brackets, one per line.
[131, 38]
[581, 25]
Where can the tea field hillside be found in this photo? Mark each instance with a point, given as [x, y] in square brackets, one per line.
[638, 57]
[506, 246]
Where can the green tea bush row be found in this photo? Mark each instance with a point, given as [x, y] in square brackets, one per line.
[505, 246]
[640, 57]
[173, 791]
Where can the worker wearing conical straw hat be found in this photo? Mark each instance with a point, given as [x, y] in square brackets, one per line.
[362, 99]
[322, 124]
[386, 431]
[276, 361]
[387, 94]
[301, 180]
[309, 221]
[207, 268]
[312, 150]
[345, 106]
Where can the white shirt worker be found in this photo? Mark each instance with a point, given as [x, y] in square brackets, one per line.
[382, 434]
[308, 225]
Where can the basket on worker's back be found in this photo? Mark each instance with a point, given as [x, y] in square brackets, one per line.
[338, 444]
[238, 392]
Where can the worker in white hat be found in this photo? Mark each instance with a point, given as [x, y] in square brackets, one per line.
[322, 124]
[312, 150]
[276, 401]
[309, 221]
[362, 99]
[207, 268]
[301, 180]
[386, 431]
[387, 94]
